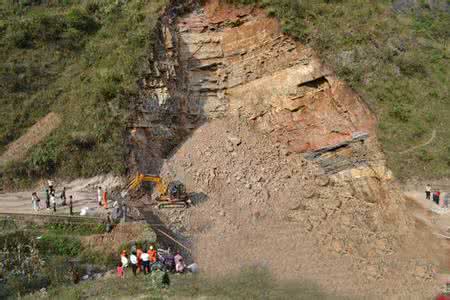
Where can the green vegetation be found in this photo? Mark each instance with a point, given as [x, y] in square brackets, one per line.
[397, 61]
[33, 257]
[249, 284]
[76, 229]
[80, 59]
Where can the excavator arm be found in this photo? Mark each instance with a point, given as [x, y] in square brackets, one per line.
[161, 186]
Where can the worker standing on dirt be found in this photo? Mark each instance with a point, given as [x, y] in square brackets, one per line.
[63, 196]
[145, 262]
[99, 196]
[105, 200]
[71, 205]
[428, 192]
[47, 201]
[138, 254]
[109, 225]
[124, 259]
[53, 201]
[438, 193]
[50, 186]
[34, 201]
[179, 263]
[133, 262]
[120, 272]
[152, 255]
[38, 201]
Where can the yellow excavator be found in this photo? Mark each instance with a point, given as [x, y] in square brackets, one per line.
[170, 195]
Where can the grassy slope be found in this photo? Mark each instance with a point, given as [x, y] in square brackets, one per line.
[249, 284]
[80, 59]
[398, 62]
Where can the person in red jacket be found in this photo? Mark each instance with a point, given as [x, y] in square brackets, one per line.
[152, 254]
[138, 254]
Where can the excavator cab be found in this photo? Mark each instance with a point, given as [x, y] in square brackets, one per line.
[176, 190]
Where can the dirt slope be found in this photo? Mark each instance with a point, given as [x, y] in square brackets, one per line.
[35, 134]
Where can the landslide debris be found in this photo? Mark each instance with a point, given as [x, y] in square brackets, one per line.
[268, 207]
[281, 158]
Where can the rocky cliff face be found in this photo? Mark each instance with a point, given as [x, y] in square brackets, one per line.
[217, 60]
[285, 154]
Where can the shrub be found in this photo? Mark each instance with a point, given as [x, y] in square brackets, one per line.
[425, 155]
[59, 245]
[400, 112]
[21, 38]
[43, 159]
[48, 27]
[82, 21]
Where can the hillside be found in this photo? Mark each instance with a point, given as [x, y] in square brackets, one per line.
[81, 60]
[284, 120]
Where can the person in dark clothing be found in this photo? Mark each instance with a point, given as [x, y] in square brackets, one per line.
[427, 192]
[47, 201]
[38, 201]
[63, 197]
[53, 201]
[70, 205]
[108, 223]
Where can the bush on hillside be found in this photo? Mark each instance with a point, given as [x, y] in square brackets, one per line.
[51, 244]
[81, 20]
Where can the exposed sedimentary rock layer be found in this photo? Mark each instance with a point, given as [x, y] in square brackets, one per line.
[218, 60]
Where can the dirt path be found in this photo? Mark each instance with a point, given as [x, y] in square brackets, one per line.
[34, 135]
[433, 136]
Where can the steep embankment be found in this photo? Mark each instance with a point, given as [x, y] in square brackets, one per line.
[284, 163]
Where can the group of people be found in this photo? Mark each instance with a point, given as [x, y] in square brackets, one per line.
[436, 196]
[51, 199]
[145, 261]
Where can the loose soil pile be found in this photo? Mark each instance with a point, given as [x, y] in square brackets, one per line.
[258, 204]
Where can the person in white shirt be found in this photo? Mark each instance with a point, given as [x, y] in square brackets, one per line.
[53, 201]
[179, 263]
[124, 260]
[428, 192]
[34, 201]
[99, 196]
[50, 185]
[145, 262]
[133, 262]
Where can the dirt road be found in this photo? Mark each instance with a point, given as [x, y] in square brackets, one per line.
[21, 202]
[83, 192]
[438, 220]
